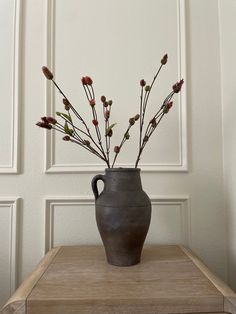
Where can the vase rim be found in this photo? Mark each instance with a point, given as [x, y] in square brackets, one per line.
[121, 169]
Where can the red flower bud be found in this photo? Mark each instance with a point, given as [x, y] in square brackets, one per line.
[164, 59]
[66, 138]
[48, 74]
[86, 80]
[142, 83]
[167, 107]
[44, 119]
[131, 121]
[86, 142]
[66, 103]
[136, 117]
[103, 99]
[51, 120]
[95, 122]
[109, 102]
[44, 125]
[105, 104]
[92, 102]
[177, 86]
[117, 149]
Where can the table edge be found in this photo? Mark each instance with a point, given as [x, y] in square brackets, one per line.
[17, 302]
[228, 294]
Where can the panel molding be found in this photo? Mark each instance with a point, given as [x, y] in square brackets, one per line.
[181, 166]
[13, 204]
[50, 202]
[13, 166]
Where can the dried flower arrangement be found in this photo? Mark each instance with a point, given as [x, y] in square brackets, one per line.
[82, 136]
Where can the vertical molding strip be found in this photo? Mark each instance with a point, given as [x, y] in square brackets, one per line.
[13, 167]
[13, 204]
[181, 166]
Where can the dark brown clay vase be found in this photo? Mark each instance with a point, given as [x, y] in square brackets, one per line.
[123, 214]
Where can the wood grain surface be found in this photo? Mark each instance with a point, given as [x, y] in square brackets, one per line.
[17, 303]
[169, 279]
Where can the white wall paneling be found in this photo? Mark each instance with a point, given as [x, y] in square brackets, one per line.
[8, 244]
[10, 31]
[227, 12]
[172, 157]
[69, 221]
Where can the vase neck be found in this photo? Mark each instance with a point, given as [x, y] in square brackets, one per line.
[123, 180]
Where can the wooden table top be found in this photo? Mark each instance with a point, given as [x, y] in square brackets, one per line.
[77, 279]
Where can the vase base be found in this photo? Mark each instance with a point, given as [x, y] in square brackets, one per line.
[123, 260]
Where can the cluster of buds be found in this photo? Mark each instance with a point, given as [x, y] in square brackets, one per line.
[76, 134]
[177, 86]
[86, 80]
[47, 122]
[133, 119]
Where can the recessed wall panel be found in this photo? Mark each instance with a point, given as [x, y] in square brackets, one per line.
[117, 53]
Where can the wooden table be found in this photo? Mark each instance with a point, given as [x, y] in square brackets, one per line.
[77, 279]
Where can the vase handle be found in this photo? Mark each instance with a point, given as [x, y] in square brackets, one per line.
[94, 184]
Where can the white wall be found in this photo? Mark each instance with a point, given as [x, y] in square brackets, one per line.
[185, 182]
[227, 13]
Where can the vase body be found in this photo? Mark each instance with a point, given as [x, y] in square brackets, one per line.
[123, 214]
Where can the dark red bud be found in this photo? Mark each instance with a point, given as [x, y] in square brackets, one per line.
[164, 59]
[44, 125]
[44, 119]
[95, 122]
[136, 117]
[131, 121]
[66, 103]
[51, 120]
[147, 88]
[109, 102]
[142, 83]
[167, 107]
[92, 102]
[48, 74]
[117, 149]
[86, 80]
[103, 98]
[86, 142]
[105, 104]
[66, 138]
[177, 86]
